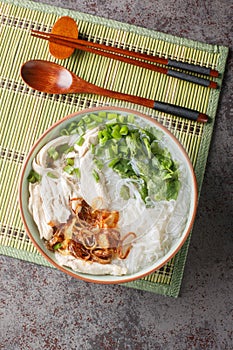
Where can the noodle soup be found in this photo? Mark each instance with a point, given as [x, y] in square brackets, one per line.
[109, 193]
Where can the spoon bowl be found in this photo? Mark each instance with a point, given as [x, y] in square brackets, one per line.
[46, 77]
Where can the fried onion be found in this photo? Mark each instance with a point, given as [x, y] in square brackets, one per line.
[91, 234]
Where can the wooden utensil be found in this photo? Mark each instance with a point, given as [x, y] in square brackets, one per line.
[58, 45]
[62, 41]
[52, 78]
[66, 26]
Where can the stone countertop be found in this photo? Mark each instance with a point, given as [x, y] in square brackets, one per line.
[43, 308]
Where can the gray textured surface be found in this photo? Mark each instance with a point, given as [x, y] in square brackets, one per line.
[45, 309]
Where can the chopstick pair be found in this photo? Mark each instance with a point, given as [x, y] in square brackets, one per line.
[135, 58]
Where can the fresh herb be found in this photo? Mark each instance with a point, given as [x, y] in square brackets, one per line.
[99, 164]
[65, 148]
[68, 169]
[80, 141]
[52, 175]
[76, 172]
[136, 153]
[95, 175]
[33, 177]
[64, 132]
[70, 161]
[57, 246]
[53, 153]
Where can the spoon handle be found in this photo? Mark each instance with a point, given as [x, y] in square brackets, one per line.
[180, 111]
[156, 105]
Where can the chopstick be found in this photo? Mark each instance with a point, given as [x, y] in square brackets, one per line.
[134, 58]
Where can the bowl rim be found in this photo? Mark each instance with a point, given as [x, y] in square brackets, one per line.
[124, 278]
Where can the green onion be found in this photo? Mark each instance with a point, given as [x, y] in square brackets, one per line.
[81, 122]
[123, 149]
[131, 118]
[74, 131]
[99, 151]
[103, 136]
[95, 175]
[53, 153]
[70, 161]
[103, 114]
[76, 172]
[114, 147]
[148, 146]
[80, 141]
[57, 246]
[113, 162]
[109, 153]
[52, 175]
[80, 130]
[112, 116]
[63, 148]
[116, 132]
[86, 119]
[92, 146]
[70, 149]
[92, 125]
[121, 118]
[33, 177]
[124, 130]
[98, 163]
[64, 132]
[96, 118]
[72, 126]
[68, 169]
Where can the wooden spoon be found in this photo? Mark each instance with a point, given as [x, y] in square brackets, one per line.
[52, 78]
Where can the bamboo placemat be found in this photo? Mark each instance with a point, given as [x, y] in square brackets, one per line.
[26, 113]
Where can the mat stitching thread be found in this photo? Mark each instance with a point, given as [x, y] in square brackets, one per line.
[23, 24]
[14, 232]
[12, 155]
[71, 100]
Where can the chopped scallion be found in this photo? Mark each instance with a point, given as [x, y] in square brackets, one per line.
[57, 246]
[80, 141]
[33, 177]
[68, 169]
[95, 175]
[52, 175]
[64, 132]
[53, 153]
[76, 171]
[70, 161]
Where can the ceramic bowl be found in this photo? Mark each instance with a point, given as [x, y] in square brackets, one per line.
[173, 145]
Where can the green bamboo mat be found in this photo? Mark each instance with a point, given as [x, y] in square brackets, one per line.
[26, 113]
